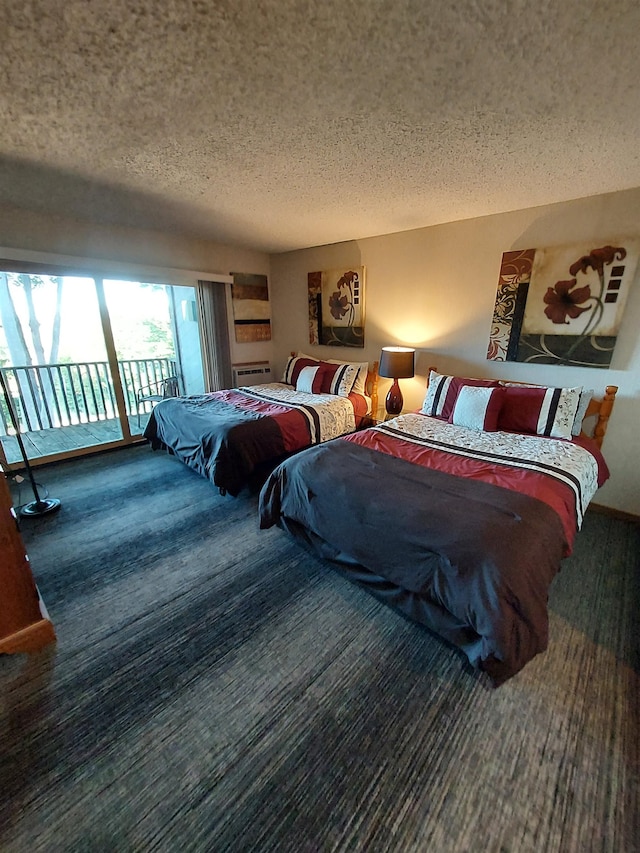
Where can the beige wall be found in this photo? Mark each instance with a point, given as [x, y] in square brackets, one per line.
[434, 288]
[129, 252]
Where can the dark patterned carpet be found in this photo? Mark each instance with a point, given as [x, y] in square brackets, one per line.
[215, 688]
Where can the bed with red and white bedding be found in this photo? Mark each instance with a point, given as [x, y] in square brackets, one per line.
[461, 527]
[228, 435]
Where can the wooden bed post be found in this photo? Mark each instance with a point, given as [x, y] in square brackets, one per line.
[372, 387]
[603, 413]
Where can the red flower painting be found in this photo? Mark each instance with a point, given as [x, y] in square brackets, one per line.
[336, 315]
[597, 259]
[564, 300]
[562, 304]
[338, 305]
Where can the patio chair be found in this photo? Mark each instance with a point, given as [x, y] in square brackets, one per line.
[157, 391]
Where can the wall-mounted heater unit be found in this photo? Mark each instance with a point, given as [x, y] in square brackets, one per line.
[251, 374]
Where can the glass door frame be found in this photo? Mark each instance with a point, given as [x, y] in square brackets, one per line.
[50, 263]
[75, 378]
[112, 358]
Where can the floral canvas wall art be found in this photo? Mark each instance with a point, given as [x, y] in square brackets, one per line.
[562, 305]
[336, 307]
[251, 309]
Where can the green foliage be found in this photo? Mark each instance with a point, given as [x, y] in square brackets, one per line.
[153, 340]
[159, 335]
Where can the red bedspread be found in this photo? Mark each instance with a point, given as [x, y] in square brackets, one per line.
[560, 493]
[227, 435]
[297, 425]
[460, 530]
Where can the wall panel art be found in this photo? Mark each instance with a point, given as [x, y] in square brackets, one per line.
[251, 309]
[562, 305]
[336, 307]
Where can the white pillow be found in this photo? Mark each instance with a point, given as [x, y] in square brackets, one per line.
[306, 378]
[360, 384]
[477, 408]
[585, 398]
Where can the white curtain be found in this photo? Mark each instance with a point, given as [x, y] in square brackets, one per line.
[211, 299]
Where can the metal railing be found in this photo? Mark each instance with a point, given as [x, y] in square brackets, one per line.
[49, 396]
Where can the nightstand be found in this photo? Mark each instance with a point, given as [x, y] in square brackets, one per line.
[378, 417]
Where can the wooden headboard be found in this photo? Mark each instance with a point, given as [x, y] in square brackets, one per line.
[599, 407]
[372, 386]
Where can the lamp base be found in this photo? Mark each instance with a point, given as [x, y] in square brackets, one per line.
[40, 507]
[394, 402]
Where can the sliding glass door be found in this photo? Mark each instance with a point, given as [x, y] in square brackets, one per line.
[83, 360]
[157, 343]
[57, 382]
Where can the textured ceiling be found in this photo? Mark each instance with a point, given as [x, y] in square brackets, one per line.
[280, 124]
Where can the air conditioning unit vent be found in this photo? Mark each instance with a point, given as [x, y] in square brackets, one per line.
[251, 374]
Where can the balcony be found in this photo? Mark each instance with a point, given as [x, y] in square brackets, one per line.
[64, 407]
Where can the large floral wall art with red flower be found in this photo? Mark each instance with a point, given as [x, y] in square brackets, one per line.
[562, 305]
[336, 307]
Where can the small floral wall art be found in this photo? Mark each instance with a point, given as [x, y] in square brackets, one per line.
[562, 305]
[251, 307]
[336, 307]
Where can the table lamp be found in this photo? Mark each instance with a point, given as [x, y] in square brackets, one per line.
[395, 363]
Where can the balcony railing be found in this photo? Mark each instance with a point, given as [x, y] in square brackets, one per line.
[47, 396]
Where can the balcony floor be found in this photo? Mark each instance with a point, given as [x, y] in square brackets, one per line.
[66, 439]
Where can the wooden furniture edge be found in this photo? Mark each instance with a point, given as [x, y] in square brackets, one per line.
[371, 386]
[601, 408]
[30, 639]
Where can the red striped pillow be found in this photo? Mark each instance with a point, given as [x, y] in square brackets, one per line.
[539, 410]
[328, 372]
[338, 378]
[294, 366]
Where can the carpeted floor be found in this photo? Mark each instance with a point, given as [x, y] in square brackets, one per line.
[215, 688]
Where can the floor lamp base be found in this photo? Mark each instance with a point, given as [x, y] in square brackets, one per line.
[40, 507]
